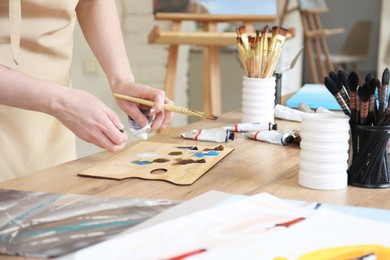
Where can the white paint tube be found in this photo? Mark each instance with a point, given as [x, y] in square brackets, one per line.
[138, 131]
[323, 110]
[305, 108]
[288, 113]
[251, 127]
[272, 136]
[218, 135]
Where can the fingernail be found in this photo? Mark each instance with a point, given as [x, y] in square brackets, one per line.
[121, 127]
[152, 111]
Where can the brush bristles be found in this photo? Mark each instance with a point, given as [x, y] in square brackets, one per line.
[385, 77]
[203, 115]
[353, 81]
[261, 51]
[331, 85]
[367, 103]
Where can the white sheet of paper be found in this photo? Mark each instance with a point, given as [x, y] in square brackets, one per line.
[244, 229]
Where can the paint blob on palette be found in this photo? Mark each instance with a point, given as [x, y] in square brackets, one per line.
[178, 164]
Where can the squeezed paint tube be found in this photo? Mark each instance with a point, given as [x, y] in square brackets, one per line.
[288, 113]
[218, 135]
[273, 136]
[251, 127]
[138, 131]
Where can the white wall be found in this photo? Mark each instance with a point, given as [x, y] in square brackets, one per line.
[384, 38]
[345, 13]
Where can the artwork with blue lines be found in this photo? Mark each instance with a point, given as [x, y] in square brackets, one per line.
[49, 225]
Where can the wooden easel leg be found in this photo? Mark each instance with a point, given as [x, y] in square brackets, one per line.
[171, 71]
[310, 57]
[172, 65]
[211, 76]
[215, 82]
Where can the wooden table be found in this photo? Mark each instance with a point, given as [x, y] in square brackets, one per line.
[253, 167]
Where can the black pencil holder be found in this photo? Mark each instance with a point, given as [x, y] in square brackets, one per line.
[368, 156]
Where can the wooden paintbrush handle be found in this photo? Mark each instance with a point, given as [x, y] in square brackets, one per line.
[149, 103]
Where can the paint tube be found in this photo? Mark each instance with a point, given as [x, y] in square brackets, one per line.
[323, 110]
[138, 131]
[251, 127]
[273, 136]
[305, 108]
[288, 113]
[218, 135]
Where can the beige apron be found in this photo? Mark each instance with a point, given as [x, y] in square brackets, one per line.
[36, 38]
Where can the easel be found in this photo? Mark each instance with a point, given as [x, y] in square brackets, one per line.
[210, 39]
[314, 36]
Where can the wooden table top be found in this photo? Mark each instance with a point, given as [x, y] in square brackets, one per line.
[253, 167]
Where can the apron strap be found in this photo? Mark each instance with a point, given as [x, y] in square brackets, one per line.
[15, 16]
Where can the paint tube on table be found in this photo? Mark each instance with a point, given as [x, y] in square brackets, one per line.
[251, 127]
[218, 135]
[305, 108]
[280, 137]
[323, 110]
[287, 113]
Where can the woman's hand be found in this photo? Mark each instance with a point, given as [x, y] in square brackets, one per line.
[90, 119]
[162, 118]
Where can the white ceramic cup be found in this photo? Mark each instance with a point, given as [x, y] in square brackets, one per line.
[324, 151]
[322, 182]
[258, 100]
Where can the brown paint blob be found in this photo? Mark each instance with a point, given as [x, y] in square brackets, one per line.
[158, 171]
[218, 148]
[188, 147]
[160, 160]
[189, 161]
[175, 153]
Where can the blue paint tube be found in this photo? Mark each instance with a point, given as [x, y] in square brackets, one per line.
[218, 135]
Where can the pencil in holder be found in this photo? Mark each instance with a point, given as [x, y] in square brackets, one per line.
[368, 156]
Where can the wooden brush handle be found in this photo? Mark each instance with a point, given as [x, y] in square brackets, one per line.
[149, 103]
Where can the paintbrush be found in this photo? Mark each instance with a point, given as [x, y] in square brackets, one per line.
[384, 119]
[241, 33]
[353, 83]
[241, 55]
[364, 94]
[368, 78]
[383, 91]
[259, 53]
[343, 77]
[373, 86]
[264, 58]
[277, 41]
[252, 57]
[168, 107]
[331, 86]
[340, 87]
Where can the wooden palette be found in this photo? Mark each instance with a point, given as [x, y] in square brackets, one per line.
[159, 161]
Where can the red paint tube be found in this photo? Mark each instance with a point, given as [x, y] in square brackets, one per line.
[218, 135]
[251, 127]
